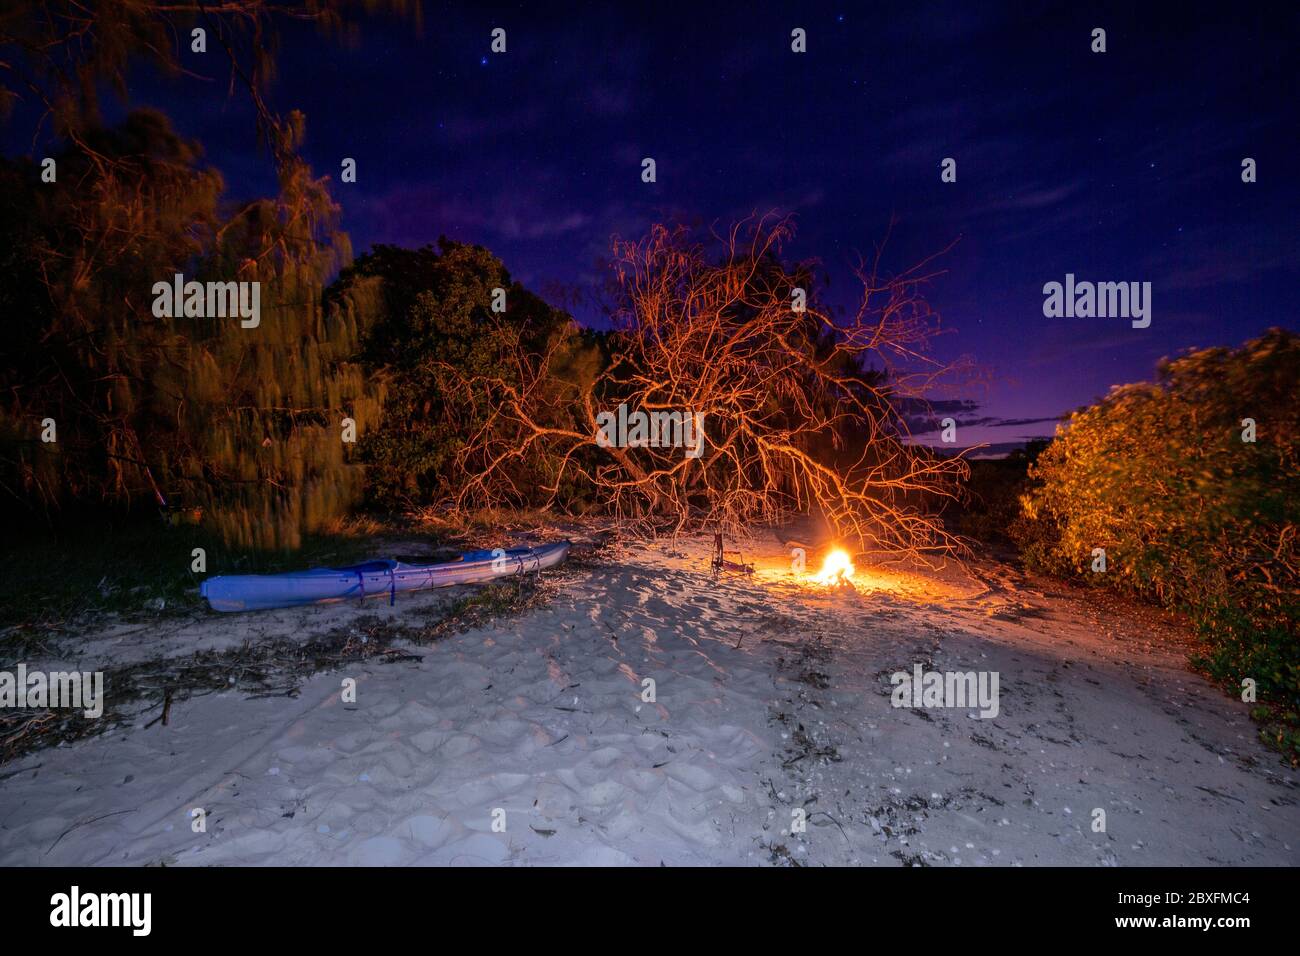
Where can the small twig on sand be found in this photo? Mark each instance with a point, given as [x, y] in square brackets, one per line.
[290, 692]
[1226, 796]
[166, 711]
[834, 821]
[14, 773]
[84, 823]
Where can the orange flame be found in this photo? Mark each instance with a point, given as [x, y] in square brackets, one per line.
[836, 568]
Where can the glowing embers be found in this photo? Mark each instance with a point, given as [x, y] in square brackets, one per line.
[836, 569]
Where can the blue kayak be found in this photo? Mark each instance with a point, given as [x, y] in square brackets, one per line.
[383, 578]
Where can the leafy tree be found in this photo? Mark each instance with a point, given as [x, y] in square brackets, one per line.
[430, 326]
[244, 422]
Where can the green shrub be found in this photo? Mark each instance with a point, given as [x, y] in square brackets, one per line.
[1190, 513]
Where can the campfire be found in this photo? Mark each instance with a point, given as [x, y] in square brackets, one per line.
[836, 569]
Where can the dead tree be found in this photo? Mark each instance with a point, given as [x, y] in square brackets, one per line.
[799, 409]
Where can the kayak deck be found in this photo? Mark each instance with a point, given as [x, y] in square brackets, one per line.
[251, 592]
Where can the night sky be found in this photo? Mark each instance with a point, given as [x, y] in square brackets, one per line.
[1123, 166]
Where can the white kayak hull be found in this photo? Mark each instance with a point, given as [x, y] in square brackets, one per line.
[381, 578]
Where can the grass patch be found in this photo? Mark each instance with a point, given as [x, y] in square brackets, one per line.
[493, 600]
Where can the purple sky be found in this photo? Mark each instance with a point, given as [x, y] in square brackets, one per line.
[1122, 166]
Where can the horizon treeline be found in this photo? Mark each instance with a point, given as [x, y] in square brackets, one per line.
[403, 384]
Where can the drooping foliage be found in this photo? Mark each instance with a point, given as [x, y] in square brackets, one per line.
[244, 423]
[61, 56]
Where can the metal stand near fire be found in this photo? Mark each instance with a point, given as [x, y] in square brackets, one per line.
[720, 562]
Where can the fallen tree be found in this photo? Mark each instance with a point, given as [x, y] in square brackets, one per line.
[799, 409]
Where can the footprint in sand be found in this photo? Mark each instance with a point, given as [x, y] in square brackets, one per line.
[429, 832]
[487, 791]
[696, 778]
[604, 757]
[378, 851]
[458, 746]
[414, 714]
[481, 849]
[427, 741]
[501, 734]
[602, 794]
[644, 781]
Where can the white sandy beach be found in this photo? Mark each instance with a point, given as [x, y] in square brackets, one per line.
[772, 696]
